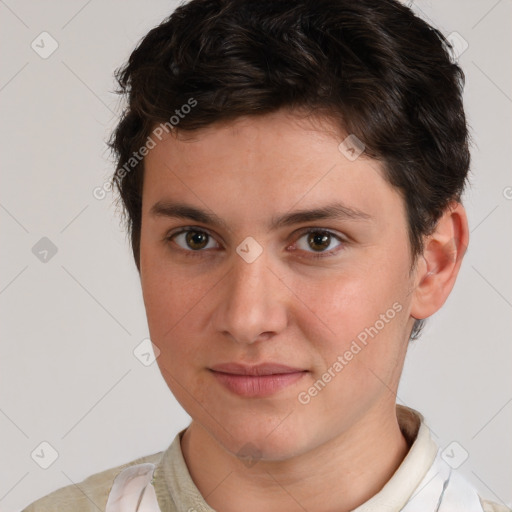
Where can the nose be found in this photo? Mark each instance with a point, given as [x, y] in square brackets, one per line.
[252, 302]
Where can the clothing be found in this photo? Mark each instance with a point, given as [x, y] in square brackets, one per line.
[423, 482]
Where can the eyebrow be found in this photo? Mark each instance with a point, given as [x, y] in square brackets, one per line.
[334, 211]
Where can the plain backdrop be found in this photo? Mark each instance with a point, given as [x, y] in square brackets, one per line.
[71, 320]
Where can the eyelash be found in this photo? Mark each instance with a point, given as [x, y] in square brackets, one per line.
[306, 231]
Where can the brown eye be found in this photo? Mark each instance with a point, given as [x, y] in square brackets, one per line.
[318, 240]
[321, 242]
[194, 240]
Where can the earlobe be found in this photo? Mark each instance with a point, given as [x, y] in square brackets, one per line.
[441, 261]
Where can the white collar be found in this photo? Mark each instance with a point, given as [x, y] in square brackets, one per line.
[423, 482]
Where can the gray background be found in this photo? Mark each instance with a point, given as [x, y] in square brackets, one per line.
[68, 375]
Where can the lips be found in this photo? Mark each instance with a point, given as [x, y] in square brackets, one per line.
[259, 369]
[256, 381]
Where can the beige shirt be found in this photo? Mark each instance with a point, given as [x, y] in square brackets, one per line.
[176, 492]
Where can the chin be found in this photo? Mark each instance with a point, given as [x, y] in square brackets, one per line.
[264, 449]
[263, 441]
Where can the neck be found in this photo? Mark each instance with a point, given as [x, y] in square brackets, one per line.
[345, 471]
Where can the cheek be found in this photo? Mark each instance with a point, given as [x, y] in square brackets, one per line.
[168, 293]
[347, 303]
[358, 359]
[174, 303]
[172, 308]
[361, 315]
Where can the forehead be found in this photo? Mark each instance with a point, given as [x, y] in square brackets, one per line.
[277, 159]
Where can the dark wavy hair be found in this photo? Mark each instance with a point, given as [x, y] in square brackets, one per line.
[373, 66]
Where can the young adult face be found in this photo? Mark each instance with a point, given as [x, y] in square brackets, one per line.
[314, 289]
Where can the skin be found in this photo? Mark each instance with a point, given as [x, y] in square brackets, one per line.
[210, 306]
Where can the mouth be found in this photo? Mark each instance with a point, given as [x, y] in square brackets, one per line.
[256, 381]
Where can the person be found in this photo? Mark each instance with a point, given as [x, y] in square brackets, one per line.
[291, 174]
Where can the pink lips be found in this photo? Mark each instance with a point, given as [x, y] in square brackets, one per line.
[256, 381]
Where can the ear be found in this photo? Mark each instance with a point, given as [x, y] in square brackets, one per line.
[438, 266]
